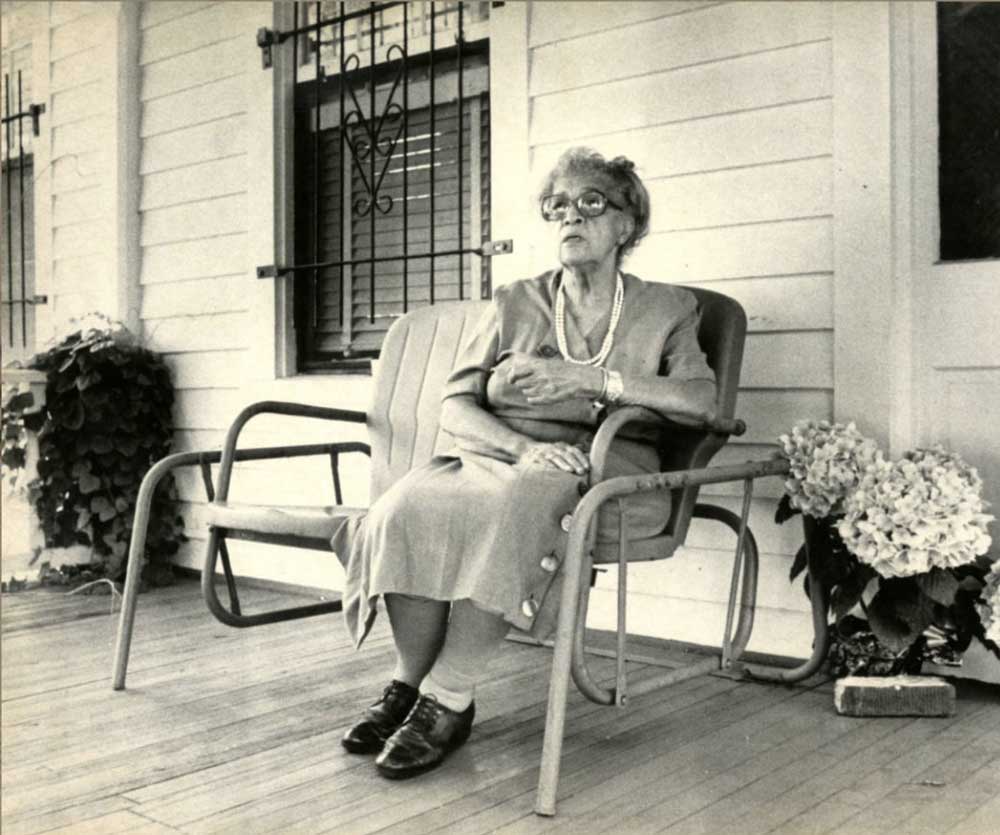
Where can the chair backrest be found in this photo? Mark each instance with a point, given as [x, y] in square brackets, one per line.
[420, 350]
[721, 334]
[417, 356]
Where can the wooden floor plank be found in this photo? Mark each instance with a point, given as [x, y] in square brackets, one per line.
[238, 731]
[882, 760]
[654, 723]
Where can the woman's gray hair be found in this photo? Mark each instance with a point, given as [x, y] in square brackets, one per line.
[616, 178]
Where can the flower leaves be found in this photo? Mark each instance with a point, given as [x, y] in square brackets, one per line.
[106, 420]
[898, 541]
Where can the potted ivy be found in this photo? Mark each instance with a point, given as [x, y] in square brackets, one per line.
[105, 419]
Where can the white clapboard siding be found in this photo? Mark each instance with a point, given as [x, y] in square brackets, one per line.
[205, 26]
[225, 294]
[776, 631]
[163, 11]
[206, 409]
[788, 131]
[789, 247]
[218, 178]
[88, 237]
[80, 69]
[85, 204]
[781, 303]
[705, 575]
[215, 140]
[66, 272]
[192, 69]
[565, 21]
[87, 134]
[93, 30]
[655, 46]
[771, 538]
[222, 255]
[770, 412]
[283, 565]
[194, 440]
[203, 104]
[206, 369]
[63, 13]
[775, 191]
[194, 224]
[799, 359]
[299, 482]
[76, 171]
[200, 332]
[69, 106]
[191, 221]
[761, 80]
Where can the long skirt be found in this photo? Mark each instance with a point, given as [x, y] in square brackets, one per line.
[469, 526]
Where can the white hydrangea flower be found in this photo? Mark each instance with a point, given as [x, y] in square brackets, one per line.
[989, 609]
[924, 511]
[827, 461]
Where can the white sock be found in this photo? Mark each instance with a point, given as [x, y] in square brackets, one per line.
[472, 640]
[446, 694]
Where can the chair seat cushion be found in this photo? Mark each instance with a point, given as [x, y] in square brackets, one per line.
[303, 522]
[636, 550]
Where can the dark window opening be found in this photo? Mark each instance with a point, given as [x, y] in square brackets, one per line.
[392, 176]
[969, 120]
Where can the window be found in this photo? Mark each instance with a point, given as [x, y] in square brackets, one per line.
[969, 124]
[392, 170]
[17, 234]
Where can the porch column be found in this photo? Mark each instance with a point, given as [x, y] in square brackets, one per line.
[864, 302]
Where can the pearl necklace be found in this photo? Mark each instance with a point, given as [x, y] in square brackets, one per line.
[609, 338]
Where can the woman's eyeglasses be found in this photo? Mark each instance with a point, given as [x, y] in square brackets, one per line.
[590, 203]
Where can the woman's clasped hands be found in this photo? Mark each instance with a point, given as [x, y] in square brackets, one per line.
[544, 381]
[556, 456]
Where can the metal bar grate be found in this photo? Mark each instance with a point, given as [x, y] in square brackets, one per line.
[19, 297]
[384, 188]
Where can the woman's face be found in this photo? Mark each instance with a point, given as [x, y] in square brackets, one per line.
[588, 243]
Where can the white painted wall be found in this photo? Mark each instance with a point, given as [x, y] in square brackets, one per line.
[727, 111]
[742, 117]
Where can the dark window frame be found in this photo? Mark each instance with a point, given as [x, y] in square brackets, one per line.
[311, 355]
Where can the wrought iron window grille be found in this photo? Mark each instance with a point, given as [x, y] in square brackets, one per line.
[385, 155]
[18, 301]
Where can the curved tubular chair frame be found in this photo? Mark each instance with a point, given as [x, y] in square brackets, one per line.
[417, 352]
[569, 659]
[228, 457]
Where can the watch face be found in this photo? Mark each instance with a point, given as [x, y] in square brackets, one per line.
[548, 351]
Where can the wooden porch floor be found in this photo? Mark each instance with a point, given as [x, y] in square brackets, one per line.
[222, 730]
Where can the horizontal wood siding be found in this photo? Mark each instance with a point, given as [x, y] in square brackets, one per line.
[81, 125]
[726, 108]
[193, 202]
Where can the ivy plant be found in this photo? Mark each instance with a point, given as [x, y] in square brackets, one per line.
[105, 422]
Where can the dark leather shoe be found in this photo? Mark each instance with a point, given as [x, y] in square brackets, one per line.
[381, 719]
[429, 734]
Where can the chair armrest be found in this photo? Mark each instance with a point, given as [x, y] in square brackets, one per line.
[617, 419]
[274, 407]
[626, 485]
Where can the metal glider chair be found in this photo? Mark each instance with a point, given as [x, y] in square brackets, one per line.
[419, 352]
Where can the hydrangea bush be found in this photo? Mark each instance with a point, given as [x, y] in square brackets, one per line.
[989, 607]
[827, 462]
[899, 542]
[922, 512]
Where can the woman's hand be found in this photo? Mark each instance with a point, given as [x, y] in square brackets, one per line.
[555, 456]
[545, 381]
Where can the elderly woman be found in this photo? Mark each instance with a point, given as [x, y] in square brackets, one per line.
[468, 545]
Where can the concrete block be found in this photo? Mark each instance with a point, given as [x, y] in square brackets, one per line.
[894, 696]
